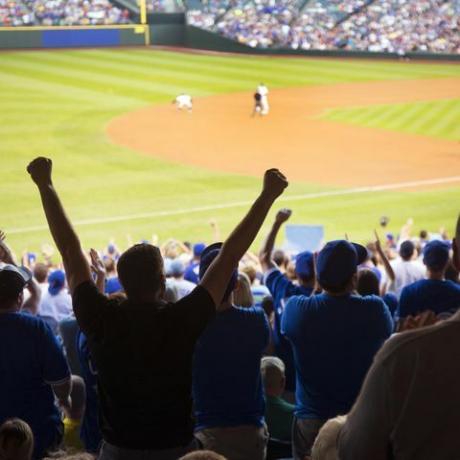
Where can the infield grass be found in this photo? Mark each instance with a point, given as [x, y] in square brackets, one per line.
[58, 103]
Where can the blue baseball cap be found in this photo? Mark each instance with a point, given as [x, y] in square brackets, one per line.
[198, 249]
[436, 254]
[56, 281]
[304, 266]
[207, 257]
[338, 261]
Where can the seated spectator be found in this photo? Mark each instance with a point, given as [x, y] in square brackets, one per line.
[40, 272]
[258, 290]
[435, 293]
[143, 346]
[176, 281]
[74, 414]
[325, 445]
[16, 440]
[278, 413]
[242, 294]
[227, 389]
[334, 336]
[281, 288]
[393, 410]
[36, 372]
[406, 270]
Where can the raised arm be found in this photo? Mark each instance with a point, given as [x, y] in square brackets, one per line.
[218, 275]
[98, 267]
[386, 263]
[266, 251]
[75, 263]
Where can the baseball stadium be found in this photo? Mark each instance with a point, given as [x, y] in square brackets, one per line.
[162, 116]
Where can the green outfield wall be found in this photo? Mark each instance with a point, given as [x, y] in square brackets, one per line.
[167, 30]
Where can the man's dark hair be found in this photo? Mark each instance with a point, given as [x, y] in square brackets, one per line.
[423, 234]
[279, 257]
[368, 283]
[140, 270]
[406, 250]
[40, 272]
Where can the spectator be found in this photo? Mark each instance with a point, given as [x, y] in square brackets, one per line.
[227, 388]
[176, 272]
[74, 414]
[393, 410]
[435, 293]
[56, 304]
[368, 284]
[37, 368]
[325, 445]
[126, 337]
[243, 295]
[16, 440]
[258, 290]
[278, 413]
[191, 272]
[281, 288]
[335, 336]
[112, 283]
[406, 270]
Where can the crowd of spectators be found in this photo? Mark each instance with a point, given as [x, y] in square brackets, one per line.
[397, 26]
[61, 13]
[273, 349]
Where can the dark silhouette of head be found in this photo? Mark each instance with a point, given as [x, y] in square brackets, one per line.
[368, 283]
[141, 272]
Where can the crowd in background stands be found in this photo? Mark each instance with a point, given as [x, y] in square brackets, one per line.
[245, 334]
[61, 13]
[398, 26]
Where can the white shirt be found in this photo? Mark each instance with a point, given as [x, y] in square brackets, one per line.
[184, 99]
[181, 286]
[406, 272]
[262, 90]
[58, 306]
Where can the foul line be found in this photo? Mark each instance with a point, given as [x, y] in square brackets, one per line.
[307, 196]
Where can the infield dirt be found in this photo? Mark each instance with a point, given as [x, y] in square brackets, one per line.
[221, 135]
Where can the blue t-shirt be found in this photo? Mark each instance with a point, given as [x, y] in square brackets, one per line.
[192, 271]
[334, 339]
[90, 432]
[227, 386]
[392, 302]
[30, 360]
[282, 289]
[258, 293]
[435, 295]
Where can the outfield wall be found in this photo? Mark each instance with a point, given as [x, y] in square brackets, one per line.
[73, 36]
[167, 30]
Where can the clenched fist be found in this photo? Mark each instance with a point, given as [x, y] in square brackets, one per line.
[274, 183]
[283, 215]
[40, 170]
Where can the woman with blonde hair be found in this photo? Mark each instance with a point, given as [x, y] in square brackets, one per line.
[242, 295]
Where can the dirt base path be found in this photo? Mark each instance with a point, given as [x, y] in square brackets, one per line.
[221, 135]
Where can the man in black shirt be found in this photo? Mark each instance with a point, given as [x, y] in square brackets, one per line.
[143, 346]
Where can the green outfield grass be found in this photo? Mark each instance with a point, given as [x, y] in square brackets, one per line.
[432, 118]
[58, 103]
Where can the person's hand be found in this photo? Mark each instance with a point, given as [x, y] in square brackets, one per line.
[40, 170]
[427, 318]
[283, 215]
[274, 183]
[97, 265]
[6, 255]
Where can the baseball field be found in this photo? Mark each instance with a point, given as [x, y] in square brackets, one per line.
[357, 139]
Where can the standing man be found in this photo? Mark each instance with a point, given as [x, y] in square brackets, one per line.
[142, 346]
[281, 289]
[334, 336]
[263, 91]
[227, 387]
[184, 102]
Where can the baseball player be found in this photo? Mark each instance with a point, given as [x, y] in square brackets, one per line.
[183, 102]
[263, 91]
